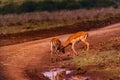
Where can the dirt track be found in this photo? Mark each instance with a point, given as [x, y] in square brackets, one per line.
[15, 59]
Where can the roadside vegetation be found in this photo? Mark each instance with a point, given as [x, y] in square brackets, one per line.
[17, 23]
[19, 16]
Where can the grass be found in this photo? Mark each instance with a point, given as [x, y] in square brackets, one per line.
[33, 27]
[92, 57]
[107, 60]
[17, 23]
[10, 29]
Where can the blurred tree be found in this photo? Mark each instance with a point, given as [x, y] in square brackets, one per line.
[28, 6]
[9, 8]
[52, 5]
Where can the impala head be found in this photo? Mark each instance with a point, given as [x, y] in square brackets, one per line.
[62, 49]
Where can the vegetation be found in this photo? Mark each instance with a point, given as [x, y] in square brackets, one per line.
[105, 60]
[16, 23]
[12, 6]
[31, 19]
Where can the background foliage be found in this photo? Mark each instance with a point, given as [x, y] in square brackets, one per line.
[22, 6]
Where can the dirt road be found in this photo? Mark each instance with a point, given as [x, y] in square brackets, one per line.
[15, 59]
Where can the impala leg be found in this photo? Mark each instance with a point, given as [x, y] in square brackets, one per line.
[58, 56]
[87, 44]
[51, 56]
[53, 76]
[73, 48]
[51, 52]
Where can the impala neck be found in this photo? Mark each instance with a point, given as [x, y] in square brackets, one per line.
[66, 44]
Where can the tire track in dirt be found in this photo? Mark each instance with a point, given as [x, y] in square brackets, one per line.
[16, 58]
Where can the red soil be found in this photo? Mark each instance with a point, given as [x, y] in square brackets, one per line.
[19, 60]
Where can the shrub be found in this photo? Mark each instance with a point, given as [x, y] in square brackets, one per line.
[96, 3]
[9, 8]
[28, 6]
[52, 5]
[46, 5]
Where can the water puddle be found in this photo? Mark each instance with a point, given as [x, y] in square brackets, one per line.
[52, 73]
[59, 74]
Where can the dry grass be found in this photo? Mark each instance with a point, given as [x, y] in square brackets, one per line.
[100, 61]
[64, 15]
[15, 23]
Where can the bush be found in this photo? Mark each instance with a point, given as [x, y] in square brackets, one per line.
[28, 6]
[52, 5]
[9, 8]
[96, 3]
[46, 5]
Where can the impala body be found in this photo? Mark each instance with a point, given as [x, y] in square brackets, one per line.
[56, 46]
[76, 37]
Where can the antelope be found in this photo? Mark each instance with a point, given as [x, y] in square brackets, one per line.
[76, 37]
[56, 46]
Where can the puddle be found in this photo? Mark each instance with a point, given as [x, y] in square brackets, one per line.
[52, 74]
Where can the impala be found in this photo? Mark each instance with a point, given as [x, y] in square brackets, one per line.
[56, 46]
[74, 38]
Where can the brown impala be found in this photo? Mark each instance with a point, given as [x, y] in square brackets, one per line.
[56, 46]
[76, 37]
